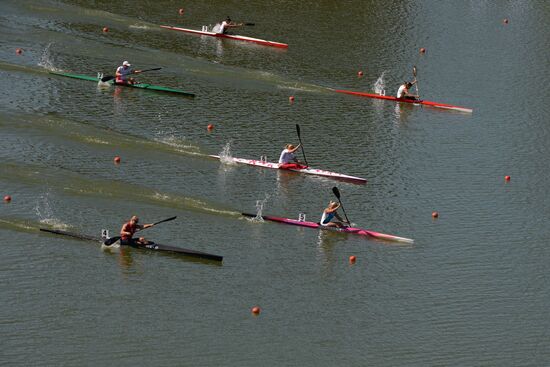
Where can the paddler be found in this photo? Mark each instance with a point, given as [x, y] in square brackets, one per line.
[287, 158]
[122, 73]
[404, 91]
[129, 228]
[226, 24]
[330, 212]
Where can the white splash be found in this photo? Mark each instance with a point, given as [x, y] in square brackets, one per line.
[45, 60]
[225, 154]
[380, 85]
[45, 213]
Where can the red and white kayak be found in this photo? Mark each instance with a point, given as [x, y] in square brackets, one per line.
[229, 36]
[420, 102]
[359, 231]
[311, 171]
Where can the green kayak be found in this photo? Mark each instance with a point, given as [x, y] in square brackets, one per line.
[139, 85]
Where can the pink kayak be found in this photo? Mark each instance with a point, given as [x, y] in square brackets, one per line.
[308, 170]
[229, 36]
[359, 231]
[404, 100]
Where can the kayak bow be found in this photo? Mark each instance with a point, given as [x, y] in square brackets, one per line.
[149, 246]
[138, 85]
[359, 231]
[311, 171]
[417, 102]
[229, 36]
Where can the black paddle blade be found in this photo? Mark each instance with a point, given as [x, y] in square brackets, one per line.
[298, 129]
[107, 78]
[165, 220]
[110, 241]
[250, 24]
[336, 192]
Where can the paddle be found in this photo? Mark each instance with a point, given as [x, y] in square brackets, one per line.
[337, 194]
[110, 77]
[302, 144]
[112, 240]
[416, 82]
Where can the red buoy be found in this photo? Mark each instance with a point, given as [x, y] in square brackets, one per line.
[255, 310]
[291, 99]
[435, 215]
[422, 50]
[352, 259]
[507, 178]
[210, 127]
[359, 74]
[19, 51]
[117, 159]
[181, 11]
[505, 21]
[105, 29]
[7, 198]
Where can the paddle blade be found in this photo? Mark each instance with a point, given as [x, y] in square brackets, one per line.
[153, 69]
[336, 192]
[110, 241]
[298, 129]
[414, 71]
[250, 24]
[107, 78]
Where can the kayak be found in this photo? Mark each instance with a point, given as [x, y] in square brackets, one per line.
[353, 230]
[229, 36]
[138, 85]
[148, 246]
[416, 102]
[311, 171]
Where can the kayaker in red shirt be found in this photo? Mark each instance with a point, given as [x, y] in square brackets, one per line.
[129, 228]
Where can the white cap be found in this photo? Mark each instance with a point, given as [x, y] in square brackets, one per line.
[126, 63]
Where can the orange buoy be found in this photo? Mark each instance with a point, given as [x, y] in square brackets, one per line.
[255, 310]
[210, 127]
[422, 50]
[117, 159]
[507, 178]
[181, 11]
[105, 29]
[359, 74]
[19, 51]
[7, 198]
[291, 99]
[352, 259]
[435, 215]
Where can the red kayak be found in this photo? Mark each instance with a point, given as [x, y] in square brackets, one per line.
[404, 100]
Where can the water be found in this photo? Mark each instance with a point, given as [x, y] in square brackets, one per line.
[470, 291]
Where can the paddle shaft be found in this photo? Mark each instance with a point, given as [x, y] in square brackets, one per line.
[302, 144]
[337, 194]
[416, 82]
[110, 77]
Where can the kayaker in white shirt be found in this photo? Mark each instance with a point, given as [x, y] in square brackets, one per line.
[226, 24]
[404, 93]
[123, 72]
[288, 160]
